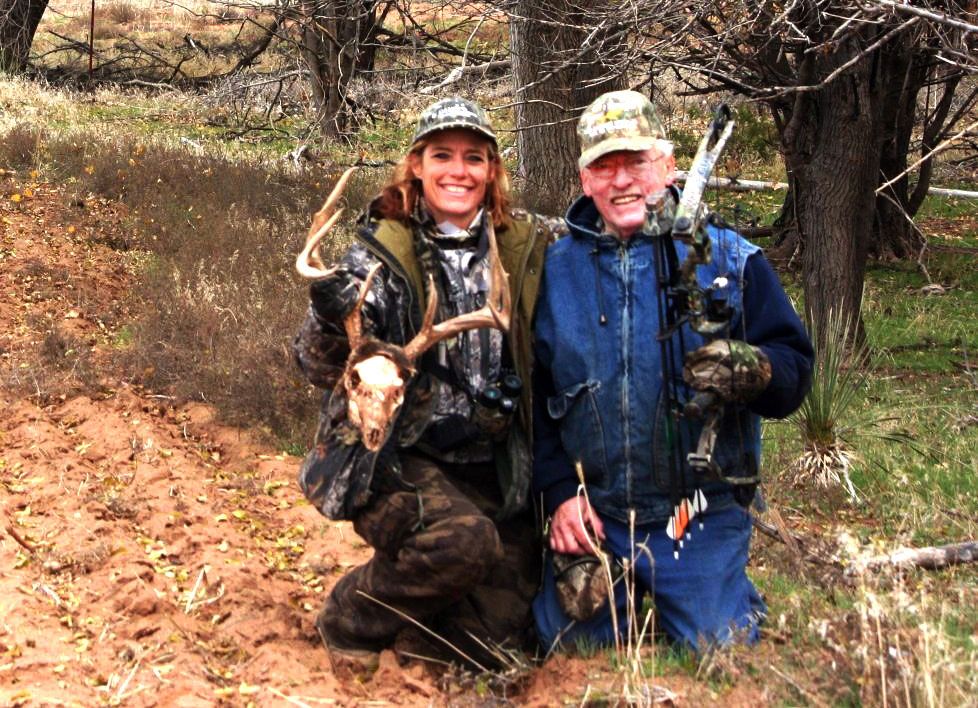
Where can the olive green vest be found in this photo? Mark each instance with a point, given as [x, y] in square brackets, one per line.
[521, 250]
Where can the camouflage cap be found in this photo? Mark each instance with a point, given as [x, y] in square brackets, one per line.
[454, 112]
[618, 120]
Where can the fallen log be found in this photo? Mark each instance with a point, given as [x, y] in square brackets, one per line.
[929, 558]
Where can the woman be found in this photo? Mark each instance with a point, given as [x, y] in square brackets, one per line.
[444, 502]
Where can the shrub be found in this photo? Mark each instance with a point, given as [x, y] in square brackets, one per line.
[124, 12]
[20, 146]
[218, 299]
[830, 420]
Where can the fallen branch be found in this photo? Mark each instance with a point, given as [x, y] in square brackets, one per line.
[459, 71]
[801, 547]
[929, 558]
[737, 185]
[749, 185]
[17, 537]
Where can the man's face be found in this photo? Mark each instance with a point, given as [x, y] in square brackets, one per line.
[620, 181]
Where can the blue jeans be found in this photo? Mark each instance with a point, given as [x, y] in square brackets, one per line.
[702, 598]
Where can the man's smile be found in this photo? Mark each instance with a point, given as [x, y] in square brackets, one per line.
[625, 199]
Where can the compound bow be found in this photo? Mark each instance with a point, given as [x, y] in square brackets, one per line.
[684, 301]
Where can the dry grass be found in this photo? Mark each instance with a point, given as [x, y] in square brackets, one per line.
[216, 235]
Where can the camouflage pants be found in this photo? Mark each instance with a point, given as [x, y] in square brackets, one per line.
[444, 562]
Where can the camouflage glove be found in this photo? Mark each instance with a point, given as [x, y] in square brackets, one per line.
[732, 369]
[582, 583]
[332, 298]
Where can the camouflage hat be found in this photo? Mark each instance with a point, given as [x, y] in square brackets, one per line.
[454, 112]
[618, 120]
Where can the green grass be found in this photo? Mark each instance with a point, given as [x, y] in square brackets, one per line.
[923, 333]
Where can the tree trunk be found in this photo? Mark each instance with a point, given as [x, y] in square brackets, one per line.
[18, 24]
[554, 81]
[788, 246]
[903, 72]
[332, 32]
[832, 153]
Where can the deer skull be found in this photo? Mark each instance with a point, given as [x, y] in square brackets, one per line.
[375, 391]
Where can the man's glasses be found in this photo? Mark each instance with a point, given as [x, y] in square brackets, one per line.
[636, 164]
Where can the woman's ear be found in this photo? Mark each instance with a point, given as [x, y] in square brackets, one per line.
[414, 162]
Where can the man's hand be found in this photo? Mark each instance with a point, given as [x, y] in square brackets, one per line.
[568, 534]
[732, 369]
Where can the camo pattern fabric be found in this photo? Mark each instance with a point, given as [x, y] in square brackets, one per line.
[454, 112]
[730, 368]
[459, 260]
[440, 559]
[582, 582]
[619, 120]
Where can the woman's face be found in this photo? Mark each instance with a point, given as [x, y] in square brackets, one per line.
[454, 170]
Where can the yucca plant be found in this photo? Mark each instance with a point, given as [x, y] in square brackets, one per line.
[829, 420]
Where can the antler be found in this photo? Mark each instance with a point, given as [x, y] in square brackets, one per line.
[308, 262]
[376, 373]
[353, 322]
[495, 313]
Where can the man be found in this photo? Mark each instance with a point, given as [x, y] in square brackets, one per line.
[601, 400]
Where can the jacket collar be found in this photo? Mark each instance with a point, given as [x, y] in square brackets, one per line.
[585, 222]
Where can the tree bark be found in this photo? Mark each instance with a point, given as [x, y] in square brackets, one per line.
[904, 72]
[333, 32]
[832, 154]
[555, 79]
[18, 24]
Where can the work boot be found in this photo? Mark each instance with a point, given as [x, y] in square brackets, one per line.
[346, 654]
[414, 644]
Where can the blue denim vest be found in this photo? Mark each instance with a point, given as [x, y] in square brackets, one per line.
[609, 402]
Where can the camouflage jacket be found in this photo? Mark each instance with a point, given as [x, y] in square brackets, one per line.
[439, 412]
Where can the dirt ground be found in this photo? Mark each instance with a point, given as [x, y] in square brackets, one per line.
[150, 555]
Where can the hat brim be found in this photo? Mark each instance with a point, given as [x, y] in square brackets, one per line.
[635, 143]
[452, 125]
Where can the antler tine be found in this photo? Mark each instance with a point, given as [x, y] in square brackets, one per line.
[308, 262]
[495, 313]
[353, 323]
